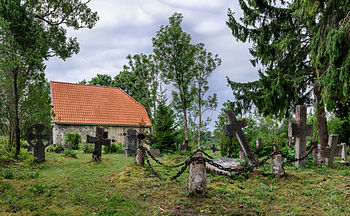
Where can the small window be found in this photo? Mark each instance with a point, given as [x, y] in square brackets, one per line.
[105, 135]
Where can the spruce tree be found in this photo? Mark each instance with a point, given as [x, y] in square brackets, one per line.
[292, 42]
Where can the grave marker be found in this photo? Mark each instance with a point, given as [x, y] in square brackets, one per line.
[130, 143]
[300, 130]
[98, 141]
[277, 164]
[39, 137]
[343, 152]
[235, 126]
[330, 150]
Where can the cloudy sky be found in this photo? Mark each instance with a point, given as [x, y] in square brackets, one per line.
[127, 27]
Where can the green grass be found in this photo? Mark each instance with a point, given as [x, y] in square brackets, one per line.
[117, 186]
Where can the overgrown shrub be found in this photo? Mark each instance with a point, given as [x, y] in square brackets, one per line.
[24, 144]
[70, 153]
[7, 153]
[114, 148]
[73, 139]
[86, 147]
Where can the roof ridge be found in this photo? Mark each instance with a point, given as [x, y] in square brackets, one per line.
[84, 84]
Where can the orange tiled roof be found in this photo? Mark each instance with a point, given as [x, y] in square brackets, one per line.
[98, 105]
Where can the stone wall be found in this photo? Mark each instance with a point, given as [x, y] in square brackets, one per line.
[115, 133]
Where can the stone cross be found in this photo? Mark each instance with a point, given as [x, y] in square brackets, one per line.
[197, 183]
[343, 152]
[300, 130]
[277, 164]
[130, 143]
[39, 137]
[98, 141]
[330, 150]
[235, 126]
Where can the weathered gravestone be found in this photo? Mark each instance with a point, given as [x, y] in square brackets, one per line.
[130, 143]
[330, 150]
[156, 152]
[258, 143]
[39, 137]
[343, 152]
[300, 130]
[235, 126]
[197, 183]
[277, 163]
[98, 141]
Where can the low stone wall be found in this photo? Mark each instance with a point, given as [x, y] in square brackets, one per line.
[115, 133]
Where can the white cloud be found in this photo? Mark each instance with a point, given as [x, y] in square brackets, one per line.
[114, 14]
[195, 4]
[209, 27]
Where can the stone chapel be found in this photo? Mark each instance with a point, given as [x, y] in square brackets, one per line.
[81, 108]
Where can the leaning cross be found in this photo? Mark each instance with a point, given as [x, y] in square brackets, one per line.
[236, 127]
[36, 135]
[98, 141]
[300, 130]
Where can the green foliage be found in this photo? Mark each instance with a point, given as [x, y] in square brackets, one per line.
[70, 153]
[115, 204]
[101, 80]
[37, 188]
[340, 127]
[175, 53]
[73, 139]
[32, 32]
[87, 147]
[7, 152]
[280, 50]
[164, 136]
[8, 174]
[205, 64]
[329, 49]
[114, 148]
[24, 144]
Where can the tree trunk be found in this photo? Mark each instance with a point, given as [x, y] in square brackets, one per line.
[185, 144]
[17, 130]
[200, 122]
[322, 124]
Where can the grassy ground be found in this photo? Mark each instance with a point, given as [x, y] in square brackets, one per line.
[117, 186]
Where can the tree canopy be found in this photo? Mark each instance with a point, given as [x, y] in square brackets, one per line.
[172, 47]
[33, 31]
[302, 47]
